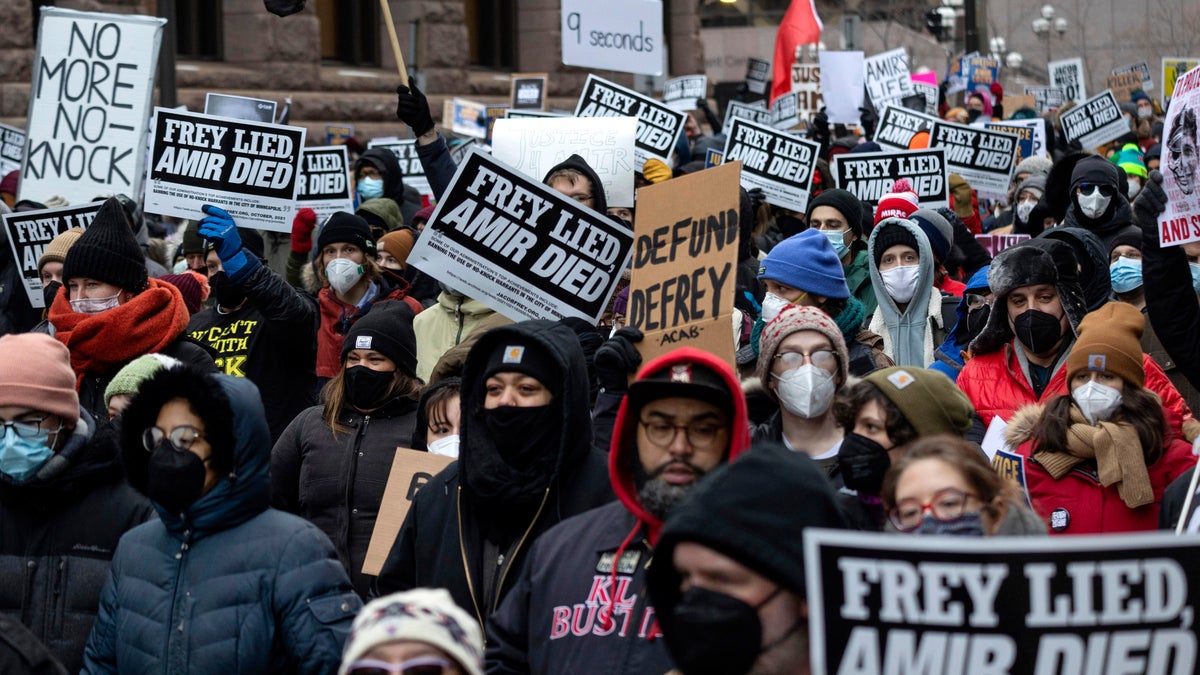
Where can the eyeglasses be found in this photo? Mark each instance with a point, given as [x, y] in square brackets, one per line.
[821, 358]
[425, 665]
[700, 435]
[181, 437]
[1090, 188]
[946, 505]
[975, 300]
[28, 428]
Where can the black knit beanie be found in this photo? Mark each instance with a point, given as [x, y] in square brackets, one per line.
[892, 234]
[107, 251]
[346, 228]
[522, 355]
[845, 202]
[388, 329]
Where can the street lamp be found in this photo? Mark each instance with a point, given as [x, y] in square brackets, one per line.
[1047, 22]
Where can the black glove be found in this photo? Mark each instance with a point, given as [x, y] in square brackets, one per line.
[413, 109]
[1152, 200]
[820, 127]
[757, 197]
[869, 121]
[618, 358]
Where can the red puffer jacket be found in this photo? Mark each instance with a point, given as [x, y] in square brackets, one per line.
[1077, 503]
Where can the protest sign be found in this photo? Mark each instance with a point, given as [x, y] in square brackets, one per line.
[681, 290]
[324, 181]
[904, 129]
[776, 161]
[89, 102]
[1180, 222]
[758, 77]
[658, 126]
[511, 114]
[983, 158]
[842, 85]
[12, 148]
[1026, 145]
[250, 169]
[806, 85]
[1011, 467]
[752, 112]
[1014, 103]
[1142, 69]
[240, 107]
[410, 164]
[622, 35]
[1068, 76]
[528, 91]
[338, 134]
[533, 147]
[713, 157]
[459, 152]
[886, 77]
[411, 470]
[680, 93]
[995, 243]
[1094, 122]
[1036, 605]
[924, 98]
[957, 77]
[1046, 98]
[784, 113]
[1122, 85]
[869, 175]
[467, 117]
[1173, 68]
[521, 248]
[982, 71]
[493, 113]
[30, 231]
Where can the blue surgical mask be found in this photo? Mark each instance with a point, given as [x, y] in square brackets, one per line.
[838, 239]
[21, 457]
[1126, 274]
[369, 188]
[966, 525]
[1195, 277]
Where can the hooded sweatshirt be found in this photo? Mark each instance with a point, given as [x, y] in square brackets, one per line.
[908, 337]
[1118, 215]
[555, 619]
[388, 165]
[599, 199]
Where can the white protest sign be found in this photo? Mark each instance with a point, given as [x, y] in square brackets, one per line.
[870, 175]
[784, 112]
[806, 85]
[1173, 68]
[1141, 68]
[680, 93]
[410, 164]
[1032, 135]
[511, 114]
[1095, 121]
[842, 85]
[886, 77]
[658, 126]
[468, 118]
[324, 181]
[754, 112]
[89, 104]
[249, 169]
[1046, 98]
[240, 107]
[778, 162]
[621, 35]
[521, 248]
[924, 98]
[1067, 75]
[758, 76]
[12, 148]
[1180, 222]
[30, 231]
[535, 146]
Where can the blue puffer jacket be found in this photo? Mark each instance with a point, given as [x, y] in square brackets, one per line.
[231, 586]
[949, 355]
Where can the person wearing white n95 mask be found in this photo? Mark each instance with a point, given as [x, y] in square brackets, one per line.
[903, 267]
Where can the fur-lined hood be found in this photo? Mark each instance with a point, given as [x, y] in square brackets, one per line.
[1023, 424]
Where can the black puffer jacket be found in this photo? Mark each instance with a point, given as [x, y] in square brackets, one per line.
[451, 537]
[336, 480]
[57, 537]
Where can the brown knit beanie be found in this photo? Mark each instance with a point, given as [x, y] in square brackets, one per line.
[1110, 340]
[35, 372]
[398, 244]
[56, 250]
[793, 319]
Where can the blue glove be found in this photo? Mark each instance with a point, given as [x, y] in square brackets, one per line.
[220, 228]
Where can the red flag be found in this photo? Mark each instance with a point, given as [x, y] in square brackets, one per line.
[800, 26]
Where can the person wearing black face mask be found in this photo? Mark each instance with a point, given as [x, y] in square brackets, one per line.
[727, 577]
[260, 327]
[331, 463]
[525, 463]
[973, 311]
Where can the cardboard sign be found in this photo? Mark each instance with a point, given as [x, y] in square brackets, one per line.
[1015, 102]
[758, 76]
[621, 35]
[89, 103]
[1094, 122]
[12, 148]
[1068, 76]
[806, 85]
[685, 269]
[240, 107]
[681, 93]
[411, 469]
[528, 91]
[535, 146]
[338, 134]
[250, 169]
[1173, 68]
[658, 126]
[995, 243]
[842, 85]
[524, 250]
[410, 164]
[1142, 69]
[1180, 222]
[467, 117]
[1046, 99]
[30, 231]
[983, 158]
[869, 175]
[778, 162]
[1122, 85]
[324, 181]
[1040, 605]
[887, 78]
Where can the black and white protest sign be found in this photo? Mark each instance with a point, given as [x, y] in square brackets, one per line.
[12, 148]
[250, 169]
[904, 129]
[1033, 605]
[1180, 222]
[924, 98]
[758, 76]
[30, 231]
[756, 112]
[523, 249]
[410, 164]
[1094, 122]
[459, 152]
[1068, 76]
[658, 126]
[1142, 69]
[887, 78]
[983, 158]
[778, 162]
[624, 35]
[784, 112]
[680, 93]
[528, 91]
[240, 107]
[1046, 98]
[806, 85]
[324, 181]
[869, 175]
[93, 78]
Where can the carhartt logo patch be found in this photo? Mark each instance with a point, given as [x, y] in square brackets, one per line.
[901, 379]
[513, 354]
[363, 341]
[1097, 361]
[681, 373]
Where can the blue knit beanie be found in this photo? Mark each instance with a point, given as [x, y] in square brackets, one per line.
[808, 262]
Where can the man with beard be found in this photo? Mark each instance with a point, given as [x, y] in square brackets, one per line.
[580, 603]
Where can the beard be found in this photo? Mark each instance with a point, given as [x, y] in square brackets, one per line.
[658, 496]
